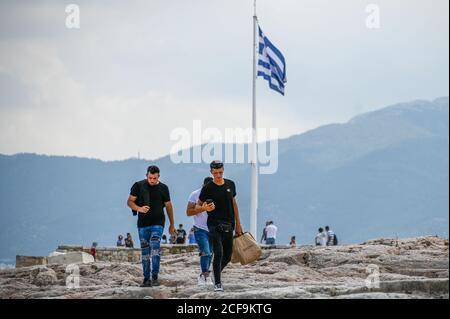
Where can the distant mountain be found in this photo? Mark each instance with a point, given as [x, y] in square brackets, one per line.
[384, 173]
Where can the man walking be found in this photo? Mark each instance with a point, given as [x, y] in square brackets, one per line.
[201, 233]
[147, 199]
[271, 233]
[223, 217]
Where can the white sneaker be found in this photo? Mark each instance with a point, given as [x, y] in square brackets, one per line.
[201, 280]
[208, 281]
[218, 287]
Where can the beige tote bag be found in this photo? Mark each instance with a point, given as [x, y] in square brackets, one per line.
[245, 249]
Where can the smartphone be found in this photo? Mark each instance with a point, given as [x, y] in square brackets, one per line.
[208, 201]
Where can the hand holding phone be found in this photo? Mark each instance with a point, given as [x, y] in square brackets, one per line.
[209, 205]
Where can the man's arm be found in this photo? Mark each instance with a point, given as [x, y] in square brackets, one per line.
[169, 210]
[194, 209]
[237, 217]
[131, 202]
[201, 202]
[204, 207]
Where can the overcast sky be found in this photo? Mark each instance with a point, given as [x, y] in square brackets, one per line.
[135, 70]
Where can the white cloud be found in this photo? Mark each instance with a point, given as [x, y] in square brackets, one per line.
[63, 119]
[137, 70]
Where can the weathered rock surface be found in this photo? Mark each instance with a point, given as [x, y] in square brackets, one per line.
[409, 268]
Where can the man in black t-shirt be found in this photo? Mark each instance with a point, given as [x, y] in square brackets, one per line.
[218, 198]
[181, 235]
[147, 199]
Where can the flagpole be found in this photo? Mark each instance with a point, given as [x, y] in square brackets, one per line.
[254, 150]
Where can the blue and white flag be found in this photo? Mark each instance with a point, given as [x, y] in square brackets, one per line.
[271, 64]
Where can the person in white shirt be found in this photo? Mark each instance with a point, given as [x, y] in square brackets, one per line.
[201, 234]
[321, 238]
[331, 240]
[271, 233]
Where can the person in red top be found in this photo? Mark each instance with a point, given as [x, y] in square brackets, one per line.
[94, 250]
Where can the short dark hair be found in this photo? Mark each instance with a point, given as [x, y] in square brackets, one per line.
[327, 227]
[153, 169]
[181, 225]
[207, 180]
[216, 164]
[320, 229]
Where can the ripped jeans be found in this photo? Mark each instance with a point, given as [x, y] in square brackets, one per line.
[150, 238]
[204, 247]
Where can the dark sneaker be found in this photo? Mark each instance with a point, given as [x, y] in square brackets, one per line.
[147, 283]
[218, 287]
[155, 281]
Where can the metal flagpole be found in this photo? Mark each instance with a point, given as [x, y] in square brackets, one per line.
[254, 149]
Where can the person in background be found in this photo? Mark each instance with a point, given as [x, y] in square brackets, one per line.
[94, 250]
[120, 242]
[321, 238]
[332, 238]
[191, 237]
[173, 239]
[271, 233]
[293, 243]
[129, 241]
[181, 237]
[264, 234]
[164, 239]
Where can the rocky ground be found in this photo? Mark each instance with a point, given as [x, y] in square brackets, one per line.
[410, 268]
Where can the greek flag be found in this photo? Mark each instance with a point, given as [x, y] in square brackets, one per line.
[271, 64]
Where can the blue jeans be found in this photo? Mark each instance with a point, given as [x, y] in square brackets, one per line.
[204, 246]
[270, 241]
[150, 238]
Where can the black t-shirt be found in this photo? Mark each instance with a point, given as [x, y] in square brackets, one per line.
[181, 236]
[181, 233]
[154, 196]
[222, 197]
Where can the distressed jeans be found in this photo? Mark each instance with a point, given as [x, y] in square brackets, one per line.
[150, 238]
[204, 247]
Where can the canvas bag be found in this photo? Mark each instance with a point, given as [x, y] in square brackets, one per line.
[245, 249]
